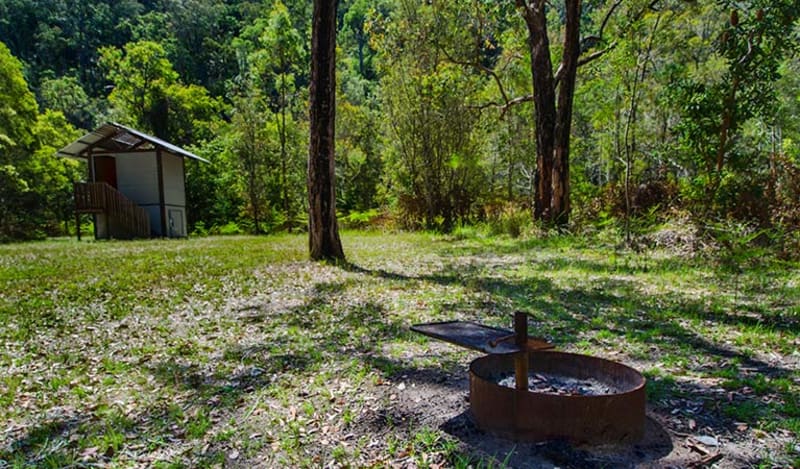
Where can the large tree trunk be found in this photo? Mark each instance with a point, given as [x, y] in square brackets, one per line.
[544, 105]
[553, 120]
[323, 232]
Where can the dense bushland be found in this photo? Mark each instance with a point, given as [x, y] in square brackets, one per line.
[680, 111]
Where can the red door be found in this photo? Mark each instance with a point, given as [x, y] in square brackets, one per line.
[105, 170]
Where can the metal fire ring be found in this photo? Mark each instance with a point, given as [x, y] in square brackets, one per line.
[520, 414]
[533, 416]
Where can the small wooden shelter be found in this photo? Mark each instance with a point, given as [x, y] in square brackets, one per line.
[136, 183]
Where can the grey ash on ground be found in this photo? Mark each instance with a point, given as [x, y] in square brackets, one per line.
[548, 383]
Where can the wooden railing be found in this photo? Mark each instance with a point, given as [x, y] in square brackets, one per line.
[124, 218]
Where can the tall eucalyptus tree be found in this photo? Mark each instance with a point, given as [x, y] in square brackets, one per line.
[323, 230]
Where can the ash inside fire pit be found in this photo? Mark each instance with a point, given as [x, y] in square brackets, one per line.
[549, 383]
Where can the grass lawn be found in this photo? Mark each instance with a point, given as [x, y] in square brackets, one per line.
[238, 351]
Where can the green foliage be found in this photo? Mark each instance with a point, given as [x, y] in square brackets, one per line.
[359, 164]
[193, 114]
[15, 196]
[17, 106]
[214, 192]
[148, 94]
[66, 95]
[361, 220]
[62, 37]
[751, 47]
[35, 186]
[141, 73]
[269, 118]
[434, 149]
[51, 177]
[197, 35]
[739, 245]
[250, 147]
[680, 98]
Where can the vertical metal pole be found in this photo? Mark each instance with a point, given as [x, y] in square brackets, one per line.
[521, 358]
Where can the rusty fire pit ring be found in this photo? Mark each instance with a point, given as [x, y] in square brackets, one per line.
[533, 416]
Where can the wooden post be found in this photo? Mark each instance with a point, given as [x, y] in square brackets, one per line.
[162, 209]
[521, 359]
[77, 213]
[93, 179]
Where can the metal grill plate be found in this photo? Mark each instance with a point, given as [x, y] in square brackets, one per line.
[476, 336]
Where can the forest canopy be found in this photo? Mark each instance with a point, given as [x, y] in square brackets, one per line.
[676, 110]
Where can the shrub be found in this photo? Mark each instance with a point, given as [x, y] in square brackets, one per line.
[463, 232]
[200, 229]
[360, 220]
[230, 228]
[511, 220]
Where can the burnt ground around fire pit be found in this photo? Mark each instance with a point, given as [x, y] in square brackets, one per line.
[684, 427]
[439, 400]
[238, 352]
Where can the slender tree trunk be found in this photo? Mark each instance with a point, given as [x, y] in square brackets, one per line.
[361, 39]
[252, 190]
[323, 232]
[775, 134]
[559, 204]
[284, 170]
[631, 126]
[727, 122]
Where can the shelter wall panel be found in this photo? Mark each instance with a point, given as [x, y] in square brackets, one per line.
[137, 178]
[174, 190]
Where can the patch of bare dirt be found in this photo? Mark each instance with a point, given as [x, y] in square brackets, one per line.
[440, 400]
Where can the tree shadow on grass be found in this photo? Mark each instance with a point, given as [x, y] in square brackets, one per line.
[660, 323]
[35, 446]
[328, 324]
[566, 314]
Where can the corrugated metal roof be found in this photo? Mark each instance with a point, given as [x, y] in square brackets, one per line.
[112, 137]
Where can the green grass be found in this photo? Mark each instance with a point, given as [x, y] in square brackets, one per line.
[196, 352]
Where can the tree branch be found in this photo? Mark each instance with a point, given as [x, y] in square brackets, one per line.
[596, 54]
[597, 38]
[590, 41]
[525, 6]
[583, 61]
[519, 100]
[479, 66]
[607, 18]
[505, 106]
